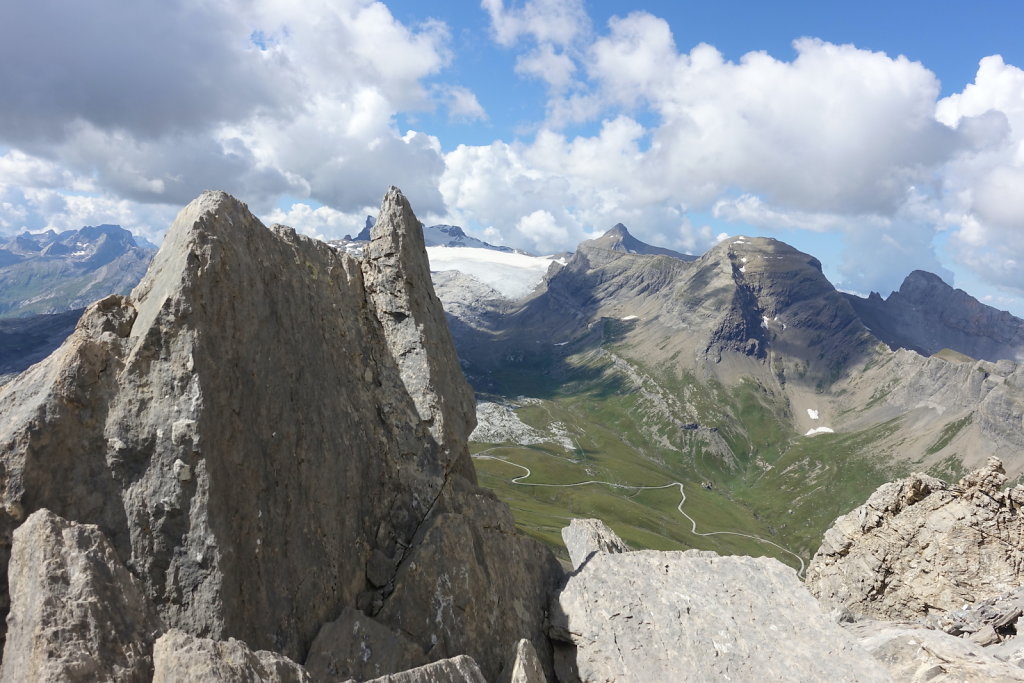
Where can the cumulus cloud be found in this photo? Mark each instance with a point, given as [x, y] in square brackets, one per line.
[553, 22]
[259, 98]
[463, 104]
[552, 27]
[321, 222]
[838, 139]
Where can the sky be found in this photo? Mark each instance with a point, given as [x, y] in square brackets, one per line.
[880, 137]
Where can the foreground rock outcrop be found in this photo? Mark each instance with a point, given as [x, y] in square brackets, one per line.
[269, 432]
[76, 613]
[920, 546]
[695, 615]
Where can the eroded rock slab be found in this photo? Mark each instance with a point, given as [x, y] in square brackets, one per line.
[76, 613]
[460, 669]
[920, 546]
[678, 616]
[916, 654]
[181, 658]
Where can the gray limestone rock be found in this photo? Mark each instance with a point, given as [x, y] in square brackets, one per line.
[398, 287]
[525, 667]
[460, 669]
[678, 616]
[472, 584]
[915, 654]
[919, 546]
[357, 646]
[181, 658]
[76, 613]
[585, 537]
[269, 431]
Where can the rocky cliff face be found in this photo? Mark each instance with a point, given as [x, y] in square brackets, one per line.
[268, 432]
[927, 315]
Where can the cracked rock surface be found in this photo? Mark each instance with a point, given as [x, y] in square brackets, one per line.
[268, 432]
[695, 615]
[920, 546]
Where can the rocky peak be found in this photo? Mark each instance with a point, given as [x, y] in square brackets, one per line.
[920, 286]
[397, 276]
[619, 239]
[927, 315]
[269, 432]
[767, 293]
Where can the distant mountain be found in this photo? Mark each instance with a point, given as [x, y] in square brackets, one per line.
[435, 236]
[54, 272]
[620, 239]
[927, 315]
[743, 373]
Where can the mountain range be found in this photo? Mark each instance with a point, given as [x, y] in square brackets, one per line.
[258, 466]
[739, 367]
[745, 369]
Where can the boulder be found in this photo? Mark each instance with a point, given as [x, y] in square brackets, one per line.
[181, 658]
[693, 615]
[585, 537]
[77, 614]
[913, 653]
[460, 669]
[920, 546]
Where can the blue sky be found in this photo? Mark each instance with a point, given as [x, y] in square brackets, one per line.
[881, 137]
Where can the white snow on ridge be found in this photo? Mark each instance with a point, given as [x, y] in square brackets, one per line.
[820, 430]
[812, 413]
[630, 317]
[513, 275]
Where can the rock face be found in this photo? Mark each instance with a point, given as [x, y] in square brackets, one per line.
[920, 546]
[672, 616]
[927, 315]
[76, 613]
[357, 646]
[268, 432]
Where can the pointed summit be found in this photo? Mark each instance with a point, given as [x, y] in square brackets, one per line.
[619, 239]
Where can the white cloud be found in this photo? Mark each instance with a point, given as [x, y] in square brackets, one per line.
[258, 98]
[838, 139]
[553, 27]
[545, 63]
[555, 22]
[321, 222]
[463, 104]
